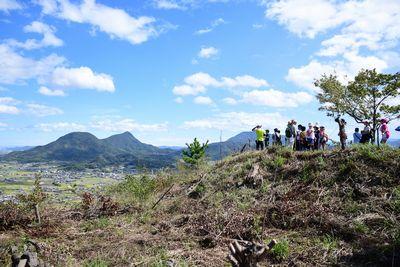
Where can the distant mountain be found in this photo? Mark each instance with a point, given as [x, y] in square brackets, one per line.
[6, 150]
[232, 145]
[85, 148]
[172, 147]
[394, 142]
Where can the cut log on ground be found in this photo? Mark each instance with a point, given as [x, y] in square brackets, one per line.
[255, 177]
[248, 254]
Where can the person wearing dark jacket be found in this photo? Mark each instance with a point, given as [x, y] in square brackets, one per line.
[342, 132]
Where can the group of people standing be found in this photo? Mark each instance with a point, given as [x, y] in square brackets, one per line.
[366, 134]
[314, 137]
[301, 138]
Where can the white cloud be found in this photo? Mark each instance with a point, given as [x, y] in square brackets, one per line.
[7, 109]
[49, 37]
[364, 33]
[275, 98]
[243, 81]
[49, 92]
[345, 69]
[257, 26]
[179, 100]
[185, 89]
[197, 83]
[203, 100]
[81, 78]
[8, 105]
[2, 124]
[121, 125]
[237, 121]
[167, 4]
[15, 68]
[201, 79]
[42, 110]
[61, 127]
[9, 100]
[370, 23]
[213, 25]
[230, 101]
[7, 5]
[208, 52]
[203, 31]
[304, 17]
[115, 22]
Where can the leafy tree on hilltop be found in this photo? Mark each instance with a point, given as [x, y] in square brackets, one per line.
[371, 96]
[195, 152]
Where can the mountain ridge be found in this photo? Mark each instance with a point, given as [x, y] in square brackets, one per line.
[87, 149]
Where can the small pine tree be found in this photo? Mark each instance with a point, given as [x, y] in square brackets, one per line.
[195, 152]
[35, 198]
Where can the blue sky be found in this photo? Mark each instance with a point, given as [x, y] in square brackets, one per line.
[169, 71]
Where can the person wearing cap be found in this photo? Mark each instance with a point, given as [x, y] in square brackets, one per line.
[366, 133]
[259, 137]
[310, 137]
[384, 130]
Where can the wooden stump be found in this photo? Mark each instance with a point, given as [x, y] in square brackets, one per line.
[255, 177]
[248, 254]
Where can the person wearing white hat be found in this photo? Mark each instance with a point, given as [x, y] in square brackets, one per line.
[310, 137]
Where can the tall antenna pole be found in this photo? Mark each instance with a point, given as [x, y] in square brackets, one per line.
[220, 145]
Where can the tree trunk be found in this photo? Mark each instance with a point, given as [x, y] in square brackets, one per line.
[37, 213]
[373, 138]
[377, 137]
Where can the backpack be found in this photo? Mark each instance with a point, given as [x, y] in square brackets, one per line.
[288, 132]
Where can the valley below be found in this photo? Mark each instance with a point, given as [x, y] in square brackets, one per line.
[64, 185]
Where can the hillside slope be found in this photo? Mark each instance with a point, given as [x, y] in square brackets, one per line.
[337, 208]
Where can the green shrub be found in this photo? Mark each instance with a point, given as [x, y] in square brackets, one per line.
[139, 187]
[395, 201]
[95, 263]
[307, 173]
[200, 188]
[329, 242]
[278, 162]
[100, 223]
[360, 228]
[280, 251]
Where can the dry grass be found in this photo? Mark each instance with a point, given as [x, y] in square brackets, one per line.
[325, 208]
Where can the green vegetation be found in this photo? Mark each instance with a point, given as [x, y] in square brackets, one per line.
[136, 188]
[280, 251]
[323, 208]
[96, 263]
[195, 152]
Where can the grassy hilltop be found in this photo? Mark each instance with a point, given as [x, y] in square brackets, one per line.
[323, 208]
